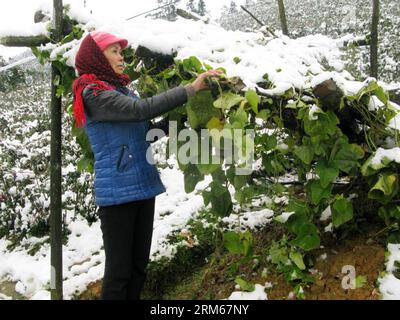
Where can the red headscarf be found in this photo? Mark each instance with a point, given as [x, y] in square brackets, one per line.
[93, 68]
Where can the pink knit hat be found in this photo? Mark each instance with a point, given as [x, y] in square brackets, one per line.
[104, 40]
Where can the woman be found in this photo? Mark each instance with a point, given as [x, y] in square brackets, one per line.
[126, 184]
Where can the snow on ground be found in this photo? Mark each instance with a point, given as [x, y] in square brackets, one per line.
[389, 284]
[250, 219]
[83, 254]
[257, 294]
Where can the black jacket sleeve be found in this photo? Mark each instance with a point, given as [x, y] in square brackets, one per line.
[115, 106]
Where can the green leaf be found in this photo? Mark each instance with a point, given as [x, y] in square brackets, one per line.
[60, 91]
[264, 114]
[373, 88]
[298, 206]
[193, 64]
[239, 243]
[206, 197]
[219, 176]
[227, 100]
[253, 99]
[221, 200]
[278, 254]
[385, 189]
[296, 221]
[304, 153]
[192, 176]
[297, 258]
[307, 238]
[325, 125]
[240, 181]
[326, 173]
[233, 243]
[292, 105]
[215, 123]
[318, 192]
[360, 281]
[347, 156]
[342, 211]
[236, 60]
[240, 116]
[246, 286]
[269, 142]
[247, 240]
[200, 109]
[83, 140]
[85, 164]
[209, 168]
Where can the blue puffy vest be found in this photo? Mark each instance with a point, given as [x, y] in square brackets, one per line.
[122, 172]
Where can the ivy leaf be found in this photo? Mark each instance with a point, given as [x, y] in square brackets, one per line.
[200, 109]
[236, 60]
[206, 197]
[247, 240]
[269, 142]
[307, 238]
[296, 221]
[240, 117]
[373, 88]
[215, 123]
[208, 168]
[192, 176]
[342, 211]
[193, 64]
[221, 200]
[347, 156]
[85, 164]
[264, 114]
[326, 124]
[240, 181]
[246, 286]
[60, 91]
[385, 189]
[360, 281]
[318, 192]
[304, 153]
[253, 99]
[297, 258]
[227, 100]
[326, 173]
[278, 254]
[298, 206]
[233, 243]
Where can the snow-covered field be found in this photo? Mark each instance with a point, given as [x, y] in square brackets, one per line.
[83, 254]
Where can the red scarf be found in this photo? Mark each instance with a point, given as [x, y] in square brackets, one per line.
[93, 68]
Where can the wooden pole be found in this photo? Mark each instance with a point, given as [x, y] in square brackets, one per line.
[282, 16]
[34, 41]
[374, 39]
[55, 167]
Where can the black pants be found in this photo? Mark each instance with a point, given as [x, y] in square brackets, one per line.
[127, 233]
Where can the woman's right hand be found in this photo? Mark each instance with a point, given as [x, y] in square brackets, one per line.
[200, 84]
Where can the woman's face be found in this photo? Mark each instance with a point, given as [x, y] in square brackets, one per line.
[115, 58]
